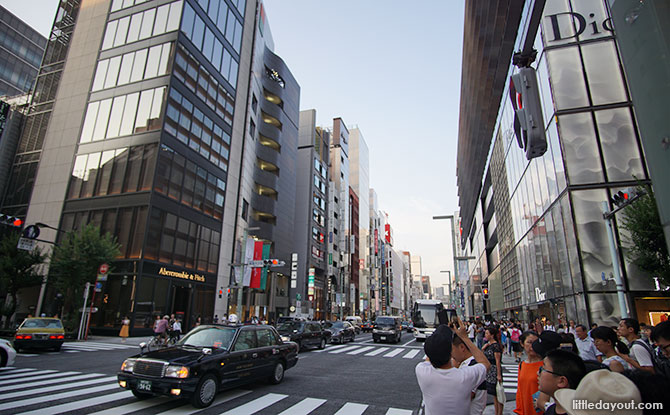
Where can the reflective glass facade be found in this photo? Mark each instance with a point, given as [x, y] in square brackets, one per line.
[538, 234]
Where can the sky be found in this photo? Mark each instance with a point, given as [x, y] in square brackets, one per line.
[391, 68]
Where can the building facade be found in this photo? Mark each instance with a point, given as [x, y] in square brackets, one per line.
[21, 50]
[535, 228]
[360, 184]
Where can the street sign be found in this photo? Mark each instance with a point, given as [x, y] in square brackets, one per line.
[104, 268]
[256, 263]
[31, 232]
[101, 277]
[26, 244]
[98, 287]
[88, 310]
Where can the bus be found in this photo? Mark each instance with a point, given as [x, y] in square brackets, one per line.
[424, 317]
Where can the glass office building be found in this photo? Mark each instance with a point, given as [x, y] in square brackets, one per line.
[537, 231]
[21, 49]
[155, 86]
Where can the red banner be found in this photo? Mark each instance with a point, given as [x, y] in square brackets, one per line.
[387, 233]
[256, 271]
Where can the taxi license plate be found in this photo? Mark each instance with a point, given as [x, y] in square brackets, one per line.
[144, 385]
[383, 337]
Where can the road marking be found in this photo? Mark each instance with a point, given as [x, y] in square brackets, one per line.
[100, 344]
[15, 370]
[329, 348]
[256, 405]
[26, 355]
[346, 349]
[367, 341]
[352, 409]
[304, 407]
[408, 342]
[361, 350]
[132, 407]
[49, 398]
[73, 406]
[396, 411]
[11, 378]
[377, 351]
[59, 378]
[54, 388]
[188, 409]
[411, 354]
[394, 353]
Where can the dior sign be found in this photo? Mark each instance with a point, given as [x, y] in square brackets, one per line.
[568, 25]
[539, 295]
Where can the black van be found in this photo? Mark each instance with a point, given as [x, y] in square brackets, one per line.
[387, 329]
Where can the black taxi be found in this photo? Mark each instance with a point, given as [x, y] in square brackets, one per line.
[208, 359]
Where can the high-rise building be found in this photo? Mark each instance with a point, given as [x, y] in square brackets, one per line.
[375, 253]
[359, 176]
[140, 123]
[312, 234]
[21, 50]
[535, 227]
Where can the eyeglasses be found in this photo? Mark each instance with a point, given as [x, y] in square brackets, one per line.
[542, 369]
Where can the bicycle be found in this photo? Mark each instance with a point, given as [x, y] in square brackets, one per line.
[158, 341]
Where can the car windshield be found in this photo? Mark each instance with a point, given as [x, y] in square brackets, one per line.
[385, 321]
[290, 326]
[42, 323]
[216, 337]
[334, 325]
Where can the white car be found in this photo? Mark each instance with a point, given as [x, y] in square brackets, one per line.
[7, 353]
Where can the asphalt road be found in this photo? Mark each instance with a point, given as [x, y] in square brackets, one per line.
[355, 378]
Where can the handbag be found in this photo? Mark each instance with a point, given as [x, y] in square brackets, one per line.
[500, 393]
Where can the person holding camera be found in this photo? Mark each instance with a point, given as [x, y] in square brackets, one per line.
[446, 390]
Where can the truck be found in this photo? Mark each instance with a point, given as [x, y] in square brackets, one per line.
[425, 317]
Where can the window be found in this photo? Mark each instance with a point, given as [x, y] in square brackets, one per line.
[245, 340]
[266, 337]
[254, 102]
[154, 22]
[245, 210]
[252, 129]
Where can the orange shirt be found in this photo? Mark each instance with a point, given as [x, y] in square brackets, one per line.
[527, 385]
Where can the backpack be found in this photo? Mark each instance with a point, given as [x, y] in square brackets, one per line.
[660, 362]
[515, 335]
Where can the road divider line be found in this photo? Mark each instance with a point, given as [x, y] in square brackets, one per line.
[256, 405]
[377, 351]
[76, 405]
[304, 407]
[361, 350]
[346, 349]
[58, 378]
[188, 409]
[49, 398]
[394, 353]
[351, 408]
[411, 354]
[58, 387]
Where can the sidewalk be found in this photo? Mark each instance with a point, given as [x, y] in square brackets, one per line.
[132, 341]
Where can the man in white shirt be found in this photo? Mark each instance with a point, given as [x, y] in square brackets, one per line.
[642, 355]
[446, 390]
[572, 328]
[463, 358]
[471, 331]
[587, 349]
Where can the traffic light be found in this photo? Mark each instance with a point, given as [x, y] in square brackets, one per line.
[221, 292]
[270, 262]
[528, 120]
[485, 293]
[11, 221]
[625, 197]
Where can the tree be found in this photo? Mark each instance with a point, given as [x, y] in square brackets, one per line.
[647, 247]
[18, 269]
[75, 261]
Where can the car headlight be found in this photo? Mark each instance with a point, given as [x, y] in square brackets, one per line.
[176, 372]
[392, 331]
[375, 330]
[128, 365]
[285, 339]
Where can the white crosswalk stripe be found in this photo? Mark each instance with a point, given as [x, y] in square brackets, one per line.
[377, 351]
[394, 353]
[373, 351]
[10, 378]
[361, 350]
[76, 347]
[411, 354]
[346, 349]
[510, 377]
[79, 392]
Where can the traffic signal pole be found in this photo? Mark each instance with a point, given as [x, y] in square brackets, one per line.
[615, 260]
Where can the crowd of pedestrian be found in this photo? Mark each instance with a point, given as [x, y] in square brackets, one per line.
[559, 366]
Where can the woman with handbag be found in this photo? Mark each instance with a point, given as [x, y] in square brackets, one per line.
[493, 352]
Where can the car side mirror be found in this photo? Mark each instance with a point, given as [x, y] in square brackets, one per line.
[206, 351]
[143, 346]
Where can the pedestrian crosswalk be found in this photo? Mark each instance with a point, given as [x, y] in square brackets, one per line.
[29, 391]
[76, 347]
[510, 377]
[406, 353]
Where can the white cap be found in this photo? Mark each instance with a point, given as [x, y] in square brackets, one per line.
[600, 386]
[233, 318]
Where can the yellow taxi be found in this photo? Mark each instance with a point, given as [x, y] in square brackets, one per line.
[39, 333]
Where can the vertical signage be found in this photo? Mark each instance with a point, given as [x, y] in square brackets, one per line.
[387, 233]
[294, 270]
[310, 284]
[376, 241]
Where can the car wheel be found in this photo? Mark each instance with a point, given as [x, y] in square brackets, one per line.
[3, 358]
[322, 345]
[375, 340]
[277, 374]
[141, 395]
[204, 393]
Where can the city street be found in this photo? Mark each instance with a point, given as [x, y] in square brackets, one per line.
[361, 377]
